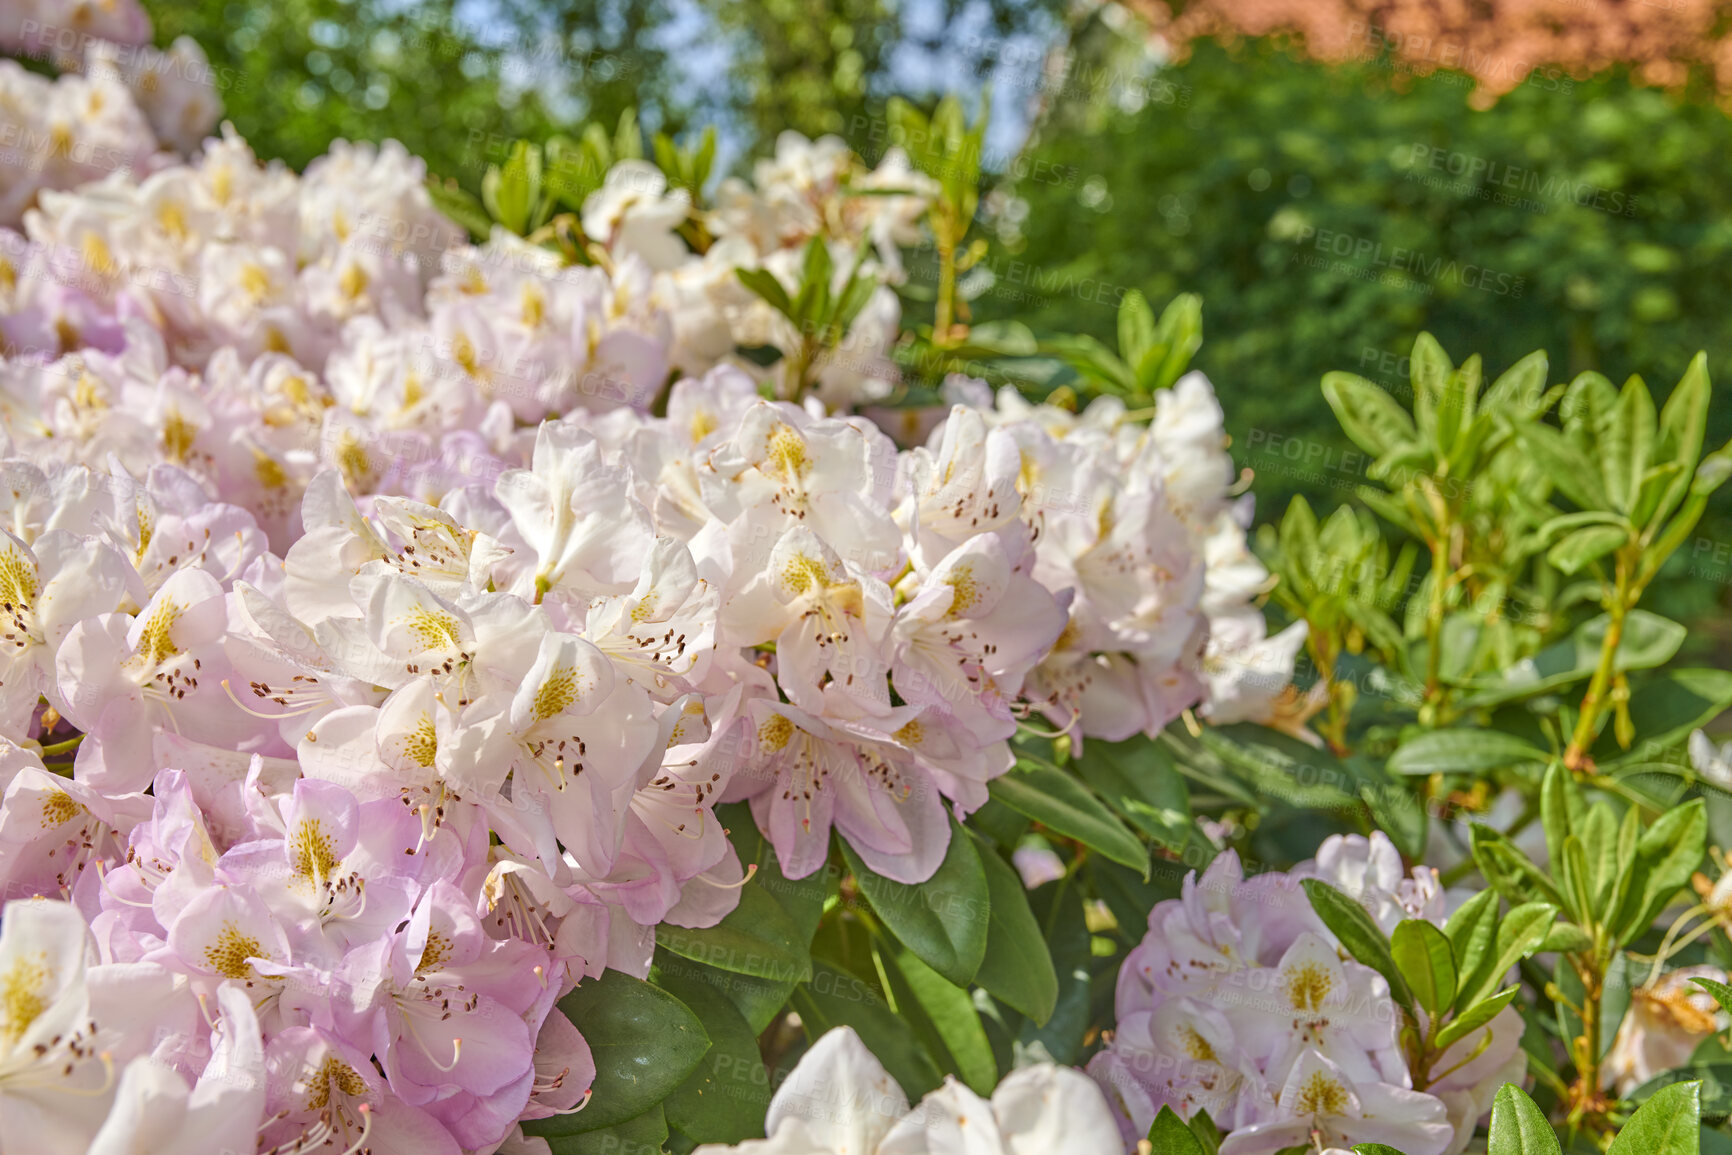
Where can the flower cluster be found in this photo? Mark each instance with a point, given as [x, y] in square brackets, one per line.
[386, 616]
[1241, 1003]
[839, 1100]
[119, 104]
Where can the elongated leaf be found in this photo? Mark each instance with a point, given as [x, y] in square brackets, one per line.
[1138, 780]
[836, 998]
[1519, 935]
[755, 938]
[1508, 870]
[1576, 551]
[644, 1042]
[1474, 1017]
[1668, 853]
[1065, 806]
[943, 920]
[1567, 465]
[1462, 751]
[1373, 419]
[1422, 954]
[1648, 640]
[1017, 967]
[1669, 1123]
[1361, 937]
[764, 283]
[1471, 931]
[952, 1013]
[1721, 992]
[1518, 1126]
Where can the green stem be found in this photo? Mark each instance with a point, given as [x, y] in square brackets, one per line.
[1594, 702]
[65, 747]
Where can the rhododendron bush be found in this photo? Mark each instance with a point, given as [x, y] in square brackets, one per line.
[622, 664]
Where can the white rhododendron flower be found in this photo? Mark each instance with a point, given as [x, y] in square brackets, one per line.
[839, 1100]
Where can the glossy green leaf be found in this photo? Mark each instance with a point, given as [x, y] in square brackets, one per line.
[1137, 779]
[943, 920]
[1477, 1015]
[725, 1099]
[951, 1011]
[836, 997]
[1462, 751]
[1669, 1123]
[755, 938]
[644, 1041]
[644, 1135]
[1519, 935]
[1361, 937]
[1518, 1126]
[1065, 806]
[1423, 956]
[1017, 968]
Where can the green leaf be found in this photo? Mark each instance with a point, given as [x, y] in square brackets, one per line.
[1463, 751]
[1422, 954]
[460, 207]
[1519, 935]
[644, 1135]
[644, 1041]
[1065, 806]
[1206, 1132]
[1721, 992]
[1683, 423]
[758, 1000]
[1668, 853]
[1361, 937]
[952, 1012]
[1137, 778]
[1375, 1149]
[1569, 468]
[1559, 799]
[764, 284]
[1017, 968]
[1168, 1135]
[1473, 1018]
[1666, 707]
[1648, 640]
[1177, 339]
[1626, 443]
[725, 1099]
[1136, 327]
[1471, 930]
[1565, 938]
[1374, 420]
[943, 920]
[1518, 1126]
[1583, 547]
[836, 997]
[1508, 870]
[1669, 1123]
[755, 938]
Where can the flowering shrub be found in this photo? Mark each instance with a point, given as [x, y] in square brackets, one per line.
[580, 670]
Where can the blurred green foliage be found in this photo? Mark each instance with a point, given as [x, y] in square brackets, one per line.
[1327, 214]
